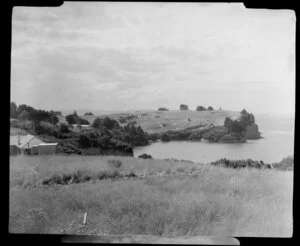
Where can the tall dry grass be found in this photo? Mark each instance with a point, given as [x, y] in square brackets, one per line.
[190, 199]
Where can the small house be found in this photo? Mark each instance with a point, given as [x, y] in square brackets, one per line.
[30, 145]
[80, 128]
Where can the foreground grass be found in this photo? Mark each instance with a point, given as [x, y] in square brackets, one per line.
[167, 198]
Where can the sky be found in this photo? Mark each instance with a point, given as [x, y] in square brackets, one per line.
[122, 55]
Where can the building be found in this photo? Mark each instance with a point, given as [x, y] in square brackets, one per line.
[30, 145]
[46, 148]
[80, 128]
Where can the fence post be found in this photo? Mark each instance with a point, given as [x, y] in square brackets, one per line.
[84, 218]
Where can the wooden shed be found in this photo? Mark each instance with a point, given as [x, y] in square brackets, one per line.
[47, 148]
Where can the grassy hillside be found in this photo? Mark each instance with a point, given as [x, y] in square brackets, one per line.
[160, 121]
[167, 198]
[17, 131]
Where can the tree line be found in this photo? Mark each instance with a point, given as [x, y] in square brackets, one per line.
[185, 107]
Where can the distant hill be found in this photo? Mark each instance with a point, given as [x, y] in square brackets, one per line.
[160, 121]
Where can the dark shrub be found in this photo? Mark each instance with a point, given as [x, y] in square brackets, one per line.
[183, 107]
[114, 163]
[64, 128]
[154, 136]
[200, 108]
[145, 156]
[163, 109]
[165, 137]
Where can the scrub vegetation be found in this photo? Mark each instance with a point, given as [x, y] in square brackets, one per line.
[131, 196]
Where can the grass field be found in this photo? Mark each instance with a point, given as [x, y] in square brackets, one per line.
[167, 198]
[160, 121]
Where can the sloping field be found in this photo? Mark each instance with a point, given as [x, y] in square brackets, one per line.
[166, 198]
[160, 121]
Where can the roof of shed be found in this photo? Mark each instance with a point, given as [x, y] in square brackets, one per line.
[23, 140]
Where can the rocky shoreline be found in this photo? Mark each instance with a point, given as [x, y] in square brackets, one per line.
[210, 133]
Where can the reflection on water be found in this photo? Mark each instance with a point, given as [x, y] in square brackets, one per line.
[277, 143]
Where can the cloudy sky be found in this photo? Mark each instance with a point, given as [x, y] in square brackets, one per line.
[119, 56]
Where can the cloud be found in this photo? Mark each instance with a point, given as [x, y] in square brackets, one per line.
[149, 53]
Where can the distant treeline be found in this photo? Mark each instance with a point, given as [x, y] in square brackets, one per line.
[185, 107]
[104, 133]
[25, 112]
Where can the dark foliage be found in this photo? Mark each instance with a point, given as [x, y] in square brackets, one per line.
[13, 110]
[108, 123]
[240, 163]
[75, 119]
[163, 109]
[210, 108]
[165, 137]
[145, 156]
[200, 108]
[183, 107]
[114, 163]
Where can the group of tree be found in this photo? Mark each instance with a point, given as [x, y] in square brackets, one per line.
[106, 122]
[239, 125]
[201, 108]
[25, 112]
[129, 133]
[163, 109]
[75, 119]
[88, 113]
[183, 107]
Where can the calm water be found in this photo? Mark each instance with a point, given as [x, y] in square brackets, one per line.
[278, 142]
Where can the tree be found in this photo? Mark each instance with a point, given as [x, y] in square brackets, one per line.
[13, 110]
[110, 123]
[70, 119]
[24, 115]
[244, 111]
[200, 108]
[228, 124]
[88, 113]
[75, 119]
[246, 118]
[54, 119]
[237, 127]
[163, 109]
[64, 128]
[82, 121]
[165, 137]
[25, 107]
[210, 108]
[183, 107]
[97, 123]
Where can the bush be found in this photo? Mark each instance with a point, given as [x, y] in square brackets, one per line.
[183, 107]
[165, 137]
[106, 122]
[200, 108]
[46, 128]
[163, 109]
[75, 119]
[64, 128]
[285, 164]
[210, 108]
[114, 163]
[145, 156]
[240, 163]
[154, 136]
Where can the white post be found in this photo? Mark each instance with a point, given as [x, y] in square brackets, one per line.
[84, 218]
